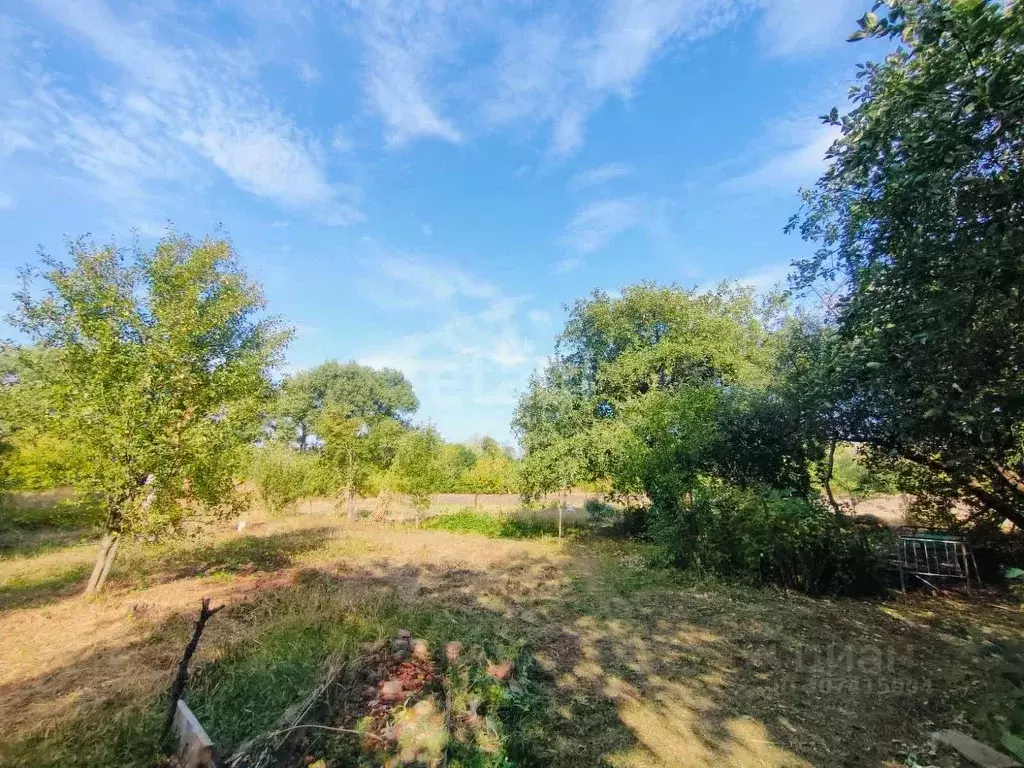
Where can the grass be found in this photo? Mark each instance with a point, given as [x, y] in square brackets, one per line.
[618, 662]
[494, 526]
[286, 642]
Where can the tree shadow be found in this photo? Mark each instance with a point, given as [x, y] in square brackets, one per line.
[29, 591]
[633, 667]
[143, 566]
[245, 554]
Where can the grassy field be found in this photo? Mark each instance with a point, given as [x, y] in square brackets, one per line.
[615, 662]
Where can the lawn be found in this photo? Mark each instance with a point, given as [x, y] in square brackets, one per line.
[615, 662]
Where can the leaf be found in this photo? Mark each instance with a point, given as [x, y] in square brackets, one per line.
[1014, 743]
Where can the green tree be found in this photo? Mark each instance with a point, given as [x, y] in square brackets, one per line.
[919, 225]
[157, 366]
[354, 448]
[493, 472]
[359, 392]
[419, 469]
[637, 387]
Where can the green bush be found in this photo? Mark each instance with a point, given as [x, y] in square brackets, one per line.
[282, 476]
[598, 511]
[767, 538]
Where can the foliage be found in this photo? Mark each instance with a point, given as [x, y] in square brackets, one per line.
[766, 538]
[660, 385]
[354, 391]
[419, 468]
[493, 526]
[354, 449]
[282, 476]
[854, 478]
[923, 194]
[156, 365]
[491, 473]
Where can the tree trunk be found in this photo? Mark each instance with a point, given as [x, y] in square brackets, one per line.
[827, 479]
[350, 505]
[104, 559]
[476, 501]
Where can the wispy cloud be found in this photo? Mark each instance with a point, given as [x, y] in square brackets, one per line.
[167, 115]
[798, 27]
[405, 42]
[475, 353]
[603, 174]
[795, 157]
[597, 223]
[417, 282]
[554, 71]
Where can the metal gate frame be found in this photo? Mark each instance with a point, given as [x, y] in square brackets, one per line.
[934, 556]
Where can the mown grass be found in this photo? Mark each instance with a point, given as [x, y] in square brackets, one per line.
[30, 588]
[494, 526]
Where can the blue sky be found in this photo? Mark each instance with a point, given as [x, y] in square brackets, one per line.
[423, 184]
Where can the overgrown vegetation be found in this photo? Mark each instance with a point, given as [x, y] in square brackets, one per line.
[495, 526]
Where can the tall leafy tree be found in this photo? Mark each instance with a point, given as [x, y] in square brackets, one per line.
[919, 223]
[355, 391]
[157, 366]
[640, 386]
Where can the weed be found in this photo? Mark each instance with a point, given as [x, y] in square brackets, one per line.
[494, 526]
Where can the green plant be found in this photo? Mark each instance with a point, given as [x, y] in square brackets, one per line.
[494, 526]
[917, 224]
[766, 538]
[157, 365]
[282, 476]
[598, 511]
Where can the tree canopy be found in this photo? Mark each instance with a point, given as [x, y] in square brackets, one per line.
[352, 390]
[919, 226]
[158, 364]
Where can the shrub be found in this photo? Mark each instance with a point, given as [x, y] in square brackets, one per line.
[598, 511]
[767, 538]
[282, 476]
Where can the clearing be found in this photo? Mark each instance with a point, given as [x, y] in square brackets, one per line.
[616, 663]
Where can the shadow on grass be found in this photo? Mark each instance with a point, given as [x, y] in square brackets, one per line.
[144, 565]
[618, 665]
[140, 566]
[27, 591]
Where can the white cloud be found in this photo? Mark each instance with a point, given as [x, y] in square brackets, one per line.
[307, 72]
[598, 222]
[539, 316]
[798, 27]
[764, 279]
[341, 141]
[798, 159]
[475, 357]
[6, 201]
[567, 265]
[409, 281]
[601, 175]
[554, 71]
[405, 43]
[165, 115]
